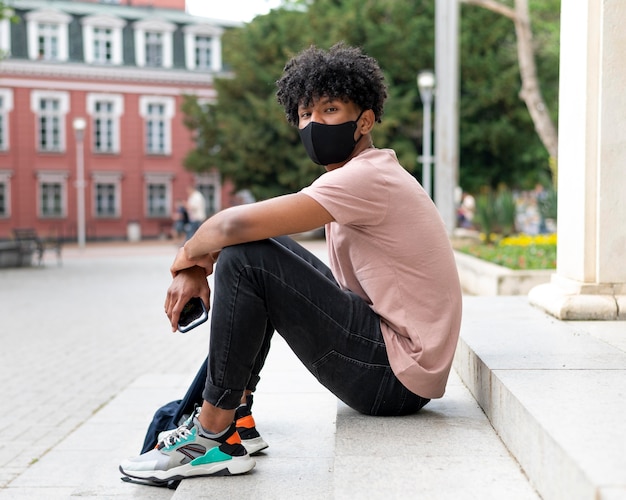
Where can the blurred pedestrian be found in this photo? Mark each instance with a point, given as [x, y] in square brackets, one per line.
[196, 210]
[181, 220]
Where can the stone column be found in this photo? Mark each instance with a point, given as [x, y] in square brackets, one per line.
[446, 109]
[590, 279]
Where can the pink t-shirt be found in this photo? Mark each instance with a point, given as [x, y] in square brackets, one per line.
[389, 245]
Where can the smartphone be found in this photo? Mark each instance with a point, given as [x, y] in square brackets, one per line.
[193, 314]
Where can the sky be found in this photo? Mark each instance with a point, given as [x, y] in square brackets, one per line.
[232, 10]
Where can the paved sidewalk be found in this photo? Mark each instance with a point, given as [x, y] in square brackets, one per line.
[88, 356]
[75, 336]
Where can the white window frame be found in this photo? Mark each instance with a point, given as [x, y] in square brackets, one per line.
[206, 30]
[90, 24]
[159, 179]
[6, 106]
[118, 110]
[5, 34]
[64, 103]
[107, 178]
[49, 177]
[154, 26]
[168, 107]
[48, 17]
[5, 181]
[210, 181]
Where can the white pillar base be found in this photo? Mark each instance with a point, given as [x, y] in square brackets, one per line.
[568, 299]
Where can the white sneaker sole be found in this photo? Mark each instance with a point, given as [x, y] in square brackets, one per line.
[238, 465]
[254, 445]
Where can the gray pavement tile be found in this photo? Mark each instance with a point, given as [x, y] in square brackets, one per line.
[76, 336]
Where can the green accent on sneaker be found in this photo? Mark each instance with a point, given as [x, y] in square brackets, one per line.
[212, 456]
[177, 444]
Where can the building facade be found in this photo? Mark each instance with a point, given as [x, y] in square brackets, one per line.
[91, 128]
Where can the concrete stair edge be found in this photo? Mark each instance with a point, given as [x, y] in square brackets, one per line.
[557, 406]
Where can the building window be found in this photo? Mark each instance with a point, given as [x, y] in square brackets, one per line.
[155, 129]
[50, 109]
[203, 52]
[48, 41]
[157, 200]
[4, 208]
[106, 200]
[3, 126]
[209, 184]
[203, 47]
[49, 130]
[52, 189]
[103, 39]
[6, 105]
[5, 36]
[47, 35]
[154, 49]
[106, 194]
[51, 202]
[104, 127]
[5, 194]
[157, 113]
[154, 43]
[102, 45]
[105, 111]
[158, 195]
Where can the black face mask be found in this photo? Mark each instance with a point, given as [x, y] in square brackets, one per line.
[329, 144]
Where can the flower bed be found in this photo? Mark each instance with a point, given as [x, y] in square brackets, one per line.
[520, 252]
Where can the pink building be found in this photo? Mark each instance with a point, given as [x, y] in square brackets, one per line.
[120, 69]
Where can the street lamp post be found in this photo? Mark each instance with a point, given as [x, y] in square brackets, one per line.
[426, 86]
[79, 125]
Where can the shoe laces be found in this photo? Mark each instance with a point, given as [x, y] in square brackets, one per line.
[183, 431]
[179, 434]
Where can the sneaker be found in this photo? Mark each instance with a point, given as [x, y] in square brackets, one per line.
[246, 427]
[187, 452]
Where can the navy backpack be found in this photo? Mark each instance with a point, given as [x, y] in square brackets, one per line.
[174, 413]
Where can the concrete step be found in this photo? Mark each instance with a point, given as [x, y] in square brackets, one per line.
[319, 448]
[554, 392]
[447, 451]
[296, 417]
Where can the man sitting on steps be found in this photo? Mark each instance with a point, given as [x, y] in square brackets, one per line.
[378, 328]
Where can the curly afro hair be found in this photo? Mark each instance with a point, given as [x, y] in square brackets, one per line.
[342, 72]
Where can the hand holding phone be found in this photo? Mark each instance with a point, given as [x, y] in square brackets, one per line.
[193, 314]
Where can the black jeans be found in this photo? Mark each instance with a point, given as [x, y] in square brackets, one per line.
[277, 285]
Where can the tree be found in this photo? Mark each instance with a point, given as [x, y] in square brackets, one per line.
[499, 144]
[530, 91]
[246, 137]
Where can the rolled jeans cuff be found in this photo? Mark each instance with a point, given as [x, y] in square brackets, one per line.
[226, 399]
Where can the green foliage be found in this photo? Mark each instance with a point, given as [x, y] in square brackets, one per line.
[506, 210]
[497, 138]
[245, 134]
[496, 211]
[485, 216]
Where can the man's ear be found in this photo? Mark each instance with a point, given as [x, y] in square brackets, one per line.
[366, 123]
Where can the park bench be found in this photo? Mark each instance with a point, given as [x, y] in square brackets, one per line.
[29, 242]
